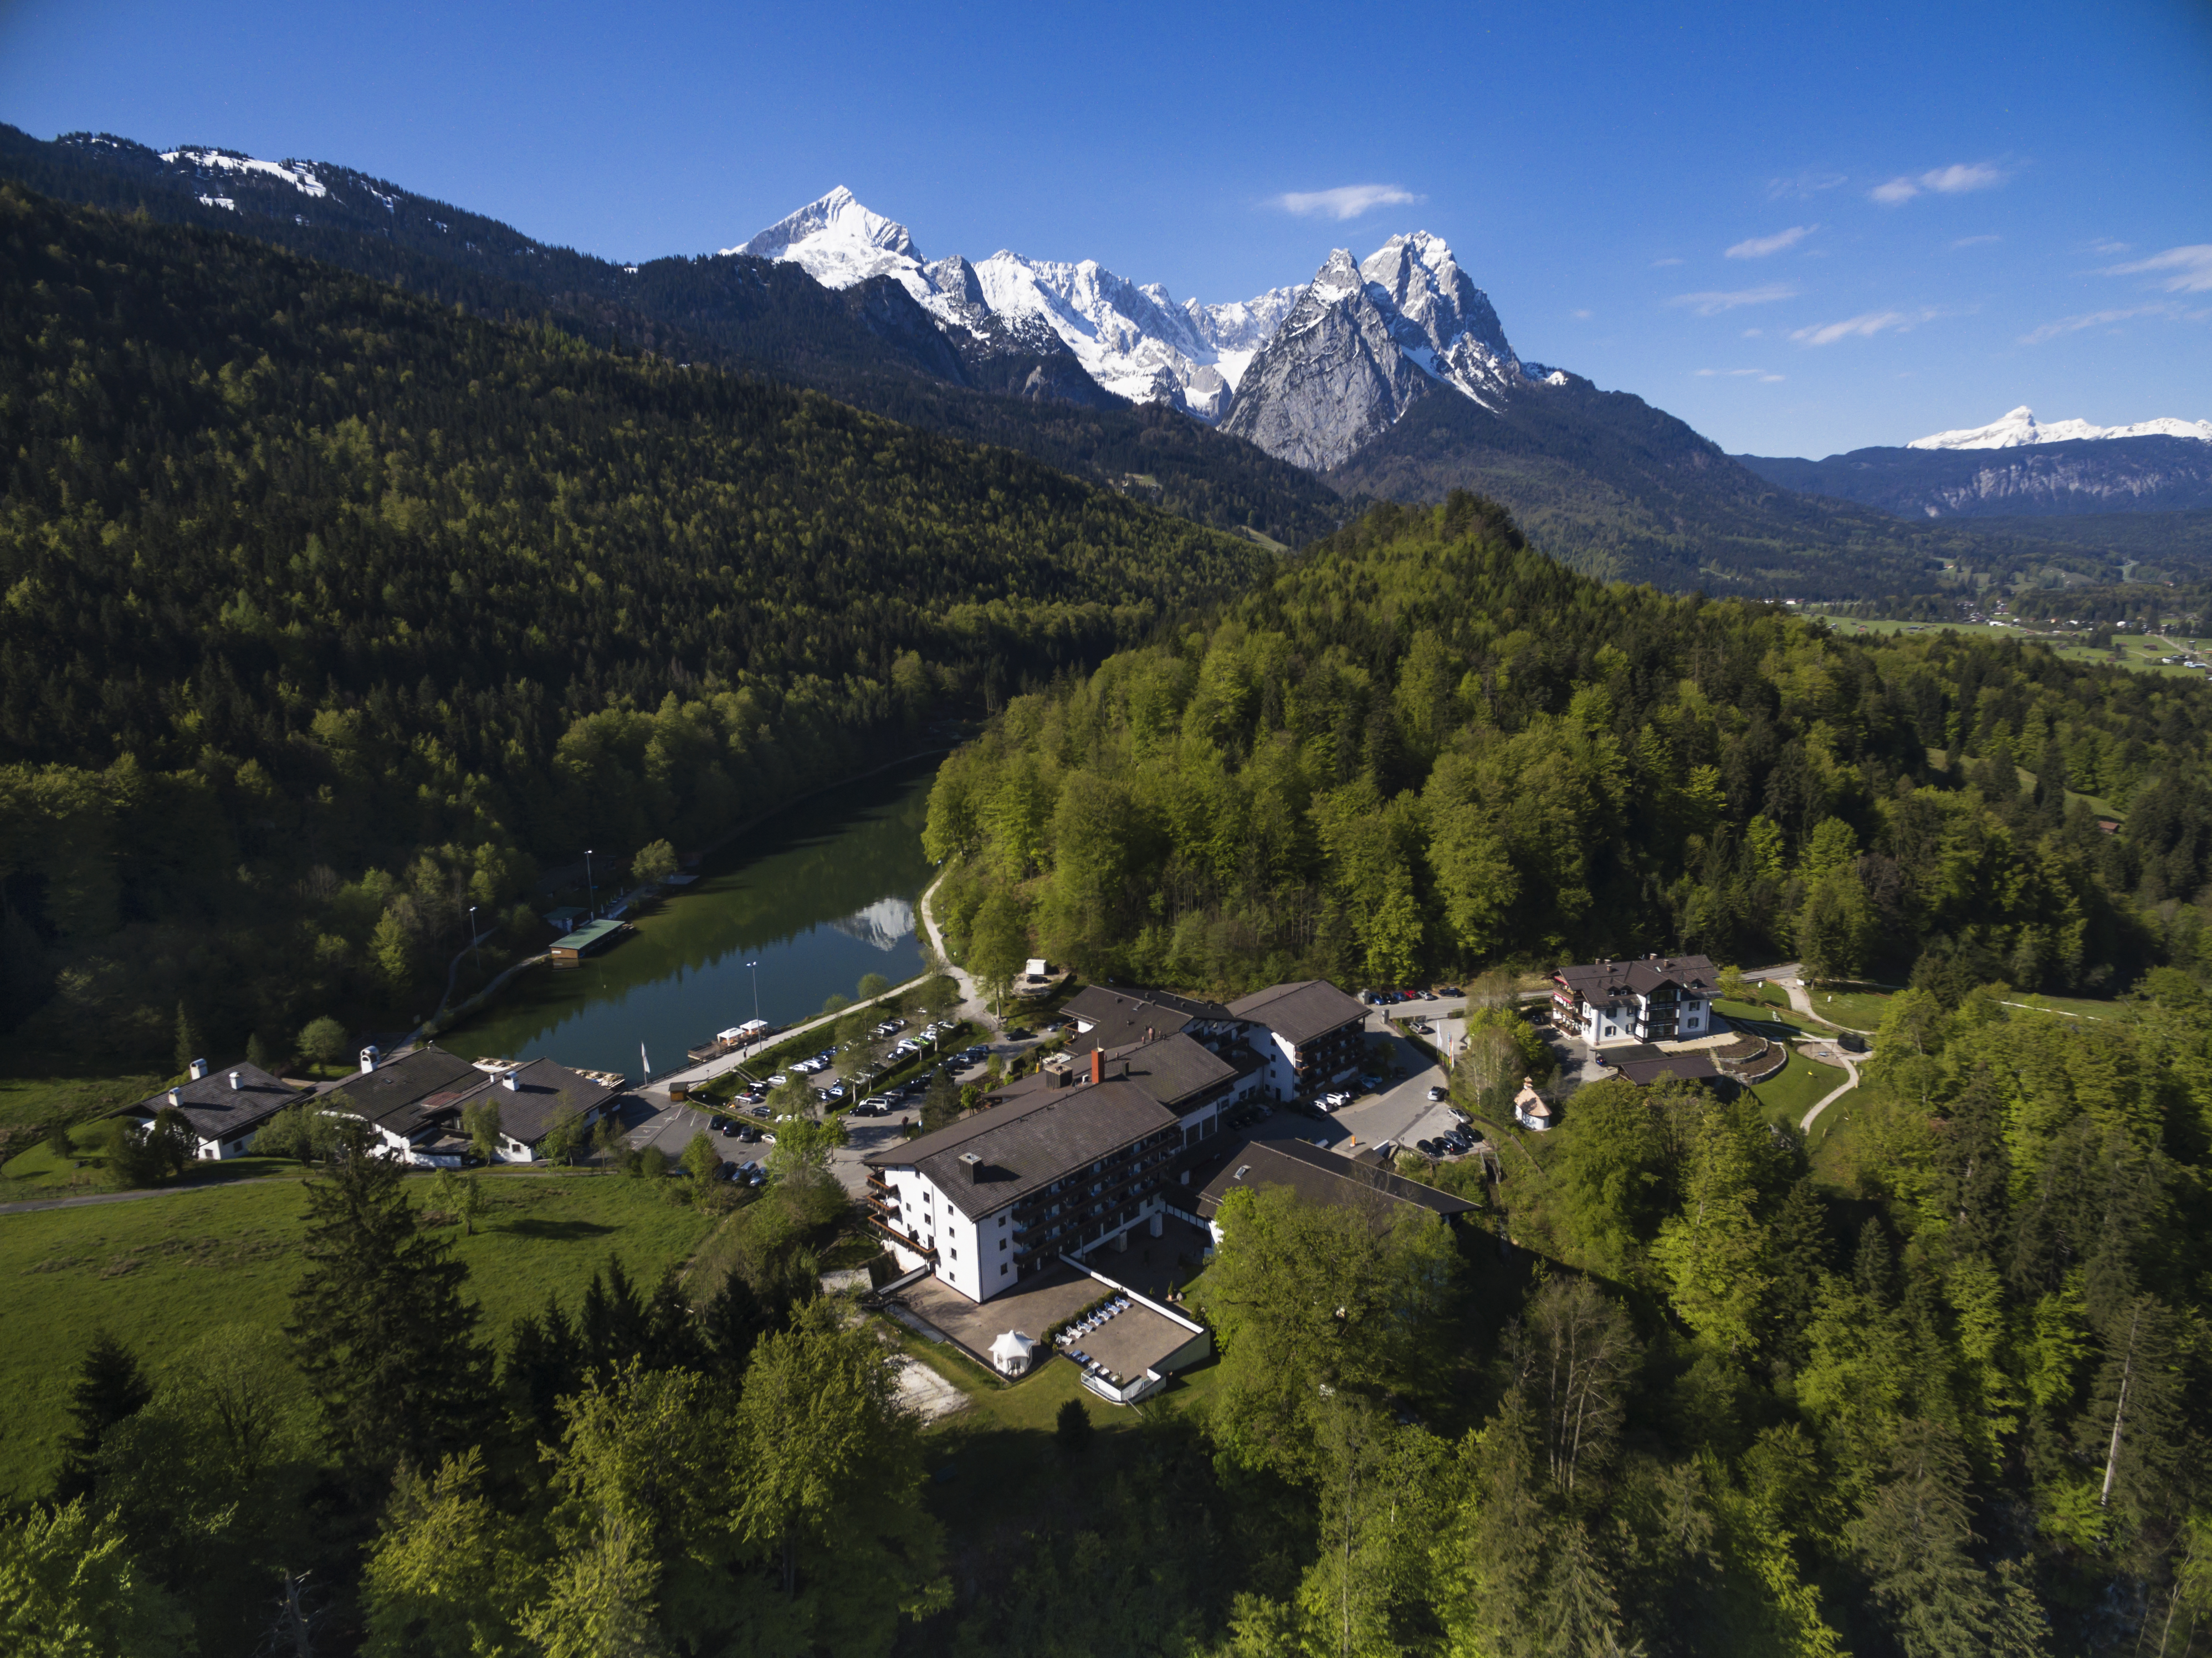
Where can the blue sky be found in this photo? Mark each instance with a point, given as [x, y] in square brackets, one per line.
[1801, 229]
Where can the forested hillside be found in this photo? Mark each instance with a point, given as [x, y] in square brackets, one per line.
[871, 345]
[1937, 1396]
[1426, 747]
[326, 611]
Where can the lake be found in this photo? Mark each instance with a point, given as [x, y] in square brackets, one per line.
[820, 895]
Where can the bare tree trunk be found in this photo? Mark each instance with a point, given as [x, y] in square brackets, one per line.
[2120, 1411]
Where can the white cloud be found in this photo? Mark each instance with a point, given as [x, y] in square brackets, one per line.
[2109, 248]
[1581, 316]
[1711, 304]
[1757, 247]
[1758, 374]
[1753, 333]
[1345, 201]
[1976, 242]
[1865, 325]
[2063, 325]
[1811, 182]
[1954, 180]
[1659, 263]
[2190, 268]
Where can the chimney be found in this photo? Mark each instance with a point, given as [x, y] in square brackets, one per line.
[176, 1097]
[974, 1167]
[369, 1056]
[199, 1068]
[1097, 1064]
[506, 1081]
[234, 1082]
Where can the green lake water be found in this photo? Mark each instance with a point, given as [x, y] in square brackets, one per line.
[819, 896]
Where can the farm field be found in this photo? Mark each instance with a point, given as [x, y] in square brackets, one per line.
[2140, 653]
[160, 1272]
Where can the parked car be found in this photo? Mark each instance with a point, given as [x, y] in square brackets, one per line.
[1438, 1094]
[749, 1136]
[1427, 1148]
[759, 1111]
[1014, 1033]
[1451, 990]
[725, 1127]
[779, 1080]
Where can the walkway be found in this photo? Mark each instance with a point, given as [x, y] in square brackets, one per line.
[1852, 1081]
[972, 1004]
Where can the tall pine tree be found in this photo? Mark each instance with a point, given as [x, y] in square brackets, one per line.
[382, 1334]
[110, 1387]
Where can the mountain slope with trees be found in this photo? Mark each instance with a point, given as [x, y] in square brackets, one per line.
[1426, 747]
[326, 611]
[1624, 491]
[870, 346]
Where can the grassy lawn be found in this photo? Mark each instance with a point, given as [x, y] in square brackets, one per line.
[1802, 1086]
[1853, 1010]
[1760, 1020]
[2081, 1007]
[159, 1271]
[42, 1173]
[1833, 1147]
[39, 1099]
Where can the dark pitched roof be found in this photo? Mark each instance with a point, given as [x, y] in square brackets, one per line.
[1028, 1142]
[544, 1096]
[1172, 1069]
[1601, 982]
[405, 1092]
[1299, 1012]
[1120, 1015]
[1319, 1177]
[1643, 1071]
[216, 1110]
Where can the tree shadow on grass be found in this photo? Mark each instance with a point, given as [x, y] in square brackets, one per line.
[562, 1231]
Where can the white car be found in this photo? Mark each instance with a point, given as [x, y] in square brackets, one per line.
[1336, 1102]
[778, 1080]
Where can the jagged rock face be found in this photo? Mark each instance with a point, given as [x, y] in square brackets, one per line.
[1364, 343]
[1333, 377]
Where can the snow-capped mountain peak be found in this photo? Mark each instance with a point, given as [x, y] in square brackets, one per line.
[2020, 428]
[1136, 342]
[1366, 340]
[839, 243]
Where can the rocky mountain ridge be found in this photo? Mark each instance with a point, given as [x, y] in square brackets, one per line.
[2020, 429]
[2084, 476]
[1135, 341]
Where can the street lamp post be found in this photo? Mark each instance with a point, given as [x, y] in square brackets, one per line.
[590, 885]
[472, 929]
[755, 966]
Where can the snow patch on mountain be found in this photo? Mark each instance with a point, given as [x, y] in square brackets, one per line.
[298, 174]
[1136, 342]
[2020, 427]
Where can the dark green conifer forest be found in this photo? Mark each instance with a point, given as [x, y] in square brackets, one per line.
[326, 612]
